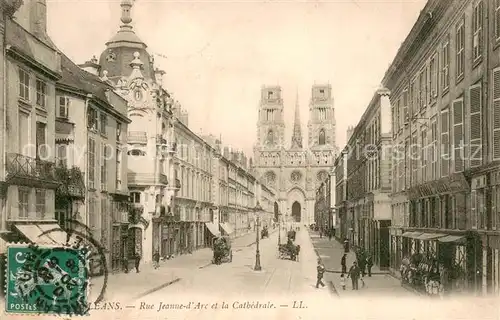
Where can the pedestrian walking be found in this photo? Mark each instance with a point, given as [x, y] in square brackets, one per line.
[361, 278]
[342, 281]
[362, 261]
[369, 264]
[346, 245]
[320, 272]
[330, 234]
[343, 263]
[354, 273]
[137, 260]
[156, 259]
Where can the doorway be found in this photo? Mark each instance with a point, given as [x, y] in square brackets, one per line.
[296, 211]
[276, 212]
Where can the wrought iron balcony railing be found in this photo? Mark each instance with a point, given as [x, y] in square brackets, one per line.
[24, 170]
[72, 182]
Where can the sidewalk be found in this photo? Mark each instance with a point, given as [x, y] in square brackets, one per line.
[336, 254]
[130, 286]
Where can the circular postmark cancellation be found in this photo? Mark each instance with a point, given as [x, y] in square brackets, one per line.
[52, 279]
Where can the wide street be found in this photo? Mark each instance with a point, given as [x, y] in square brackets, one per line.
[275, 287]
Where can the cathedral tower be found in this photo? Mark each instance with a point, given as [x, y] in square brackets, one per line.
[271, 124]
[321, 123]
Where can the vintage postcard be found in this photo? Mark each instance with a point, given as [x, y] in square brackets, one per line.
[250, 159]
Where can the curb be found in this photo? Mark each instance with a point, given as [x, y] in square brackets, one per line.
[175, 280]
[332, 288]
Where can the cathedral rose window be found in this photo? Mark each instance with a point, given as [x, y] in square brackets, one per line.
[296, 176]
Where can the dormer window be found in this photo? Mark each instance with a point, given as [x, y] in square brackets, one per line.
[270, 94]
[63, 110]
[322, 91]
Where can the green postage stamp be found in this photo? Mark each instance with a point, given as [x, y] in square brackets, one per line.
[46, 280]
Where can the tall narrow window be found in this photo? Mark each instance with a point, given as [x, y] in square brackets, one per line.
[423, 155]
[104, 167]
[41, 146]
[458, 134]
[23, 200]
[322, 138]
[445, 143]
[92, 163]
[24, 133]
[473, 209]
[62, 155]
[41, 93]
[92, 119]
[460, 50]
[433, 79]
[422, 89]
[24, 84]
[398, 115]
[477, 25]
[63, 111]
[475, 126]
[118, 131]
[433, 149]
[404, 114]
[118, 169]
[496, 114]
[40, 203]
[412, 98]
[103, 122]
[445, 65]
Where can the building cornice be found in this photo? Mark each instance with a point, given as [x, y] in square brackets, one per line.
[18, 54]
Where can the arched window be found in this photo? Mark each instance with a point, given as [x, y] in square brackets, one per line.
[321, 138]
[270, 137]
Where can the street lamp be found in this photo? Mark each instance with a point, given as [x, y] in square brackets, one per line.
[279, 228]
[258, 210]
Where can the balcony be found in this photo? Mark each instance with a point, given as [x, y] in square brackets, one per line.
[139, 137]
[72, 183]
[28, 171]
[146, 178]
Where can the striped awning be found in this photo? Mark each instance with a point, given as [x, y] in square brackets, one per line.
[213, 228]
[412, 235]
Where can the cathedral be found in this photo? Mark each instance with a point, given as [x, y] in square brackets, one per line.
[295, 171]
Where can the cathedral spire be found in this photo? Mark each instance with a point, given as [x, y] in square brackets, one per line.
[297, 132]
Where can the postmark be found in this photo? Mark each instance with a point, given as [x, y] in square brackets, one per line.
[78, 246]
[47, 279]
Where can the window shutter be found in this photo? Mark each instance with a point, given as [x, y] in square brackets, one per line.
[445, 143]
[458, 135]
[475, 126]
[473, 207]
[496, 114]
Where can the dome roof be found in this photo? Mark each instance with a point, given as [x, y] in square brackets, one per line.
[120, 49]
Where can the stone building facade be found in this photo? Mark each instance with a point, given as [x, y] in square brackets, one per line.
[364, 181]
[294, 172]
[445, 83]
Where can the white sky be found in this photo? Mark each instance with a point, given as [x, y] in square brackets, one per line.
[219, 53]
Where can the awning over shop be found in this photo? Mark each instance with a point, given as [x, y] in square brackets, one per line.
[227, 228]
[50, 234]
[213, 228]
[450, 238]
[412, 235]
[430, 236]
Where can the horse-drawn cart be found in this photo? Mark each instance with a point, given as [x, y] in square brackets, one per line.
[288, 251]
[264, 233]
[222, 250]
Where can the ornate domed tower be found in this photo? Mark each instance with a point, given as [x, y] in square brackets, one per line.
[121, 47]
[128, 66]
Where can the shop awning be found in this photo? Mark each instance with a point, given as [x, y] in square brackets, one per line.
[450, 238]
[227, 228]
[413, 235]
[50, 234]
[213, 228]
[430, 236]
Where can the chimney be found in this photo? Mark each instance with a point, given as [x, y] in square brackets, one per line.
[38, 18]
[91, 66]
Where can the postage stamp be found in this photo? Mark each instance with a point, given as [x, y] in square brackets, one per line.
[47, 279]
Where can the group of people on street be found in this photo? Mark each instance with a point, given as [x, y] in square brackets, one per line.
[358, 269]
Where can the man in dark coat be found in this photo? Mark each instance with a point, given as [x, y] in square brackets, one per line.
[343, 263]
[346, 245]
[354, 274]
[137, 261]
[369, 264]
[320, 272]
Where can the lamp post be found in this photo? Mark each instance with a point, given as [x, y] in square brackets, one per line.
[257, 210]
[279, 228]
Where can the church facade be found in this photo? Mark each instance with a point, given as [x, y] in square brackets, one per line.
[294, 171]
